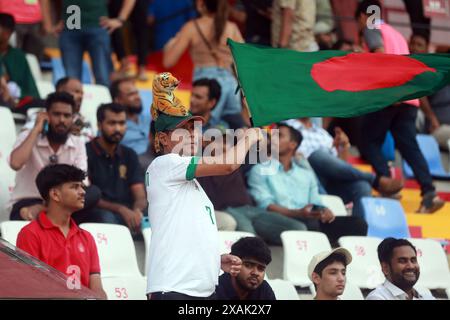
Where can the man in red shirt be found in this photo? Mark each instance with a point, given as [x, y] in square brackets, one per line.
[54, 237]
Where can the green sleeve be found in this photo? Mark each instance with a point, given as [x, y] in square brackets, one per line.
[190, 171]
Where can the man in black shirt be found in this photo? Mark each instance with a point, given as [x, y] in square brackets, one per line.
[249, 284]
[115, 169]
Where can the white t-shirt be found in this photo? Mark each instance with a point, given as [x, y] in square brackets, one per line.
[184, 252]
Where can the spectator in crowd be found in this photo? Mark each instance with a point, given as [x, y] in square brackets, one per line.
[125, 92]
[293, 24]
[28, 17]
[206, 38]
[54, 237]
[249, 284]
[17, 80]
[328, 155]
[282, 186]
[48, 142]
[327, 270]
[324, 28]
[258, 21]
[167, 18]
[139, 31]
[204, 97]
[228, 193]
[399, 118]
[440, 101]
[80, 127]
[186, 266]
[115, 170]
[398, 259]
[91, 34]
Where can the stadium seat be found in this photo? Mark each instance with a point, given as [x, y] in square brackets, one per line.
[227, 238]
[59, 71]
[125, 288]
[351, 292]
[299, 247]
[115, 249]
[7, 182]
[10, 230]
[364, 271]
[45, 88]
[430, 150]
[284, 290]
[147, 233]
[434, 270]
[385, 218]
[35, 68]
[7, 132]
[388, 148]
[94, 96]
[335, 204]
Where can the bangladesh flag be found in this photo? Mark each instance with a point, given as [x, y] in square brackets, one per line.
[282, 84]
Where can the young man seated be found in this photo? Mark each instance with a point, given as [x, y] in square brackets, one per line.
[284, 187]
[249, 284]
[54, 237]
[327, 270]
[115, 170]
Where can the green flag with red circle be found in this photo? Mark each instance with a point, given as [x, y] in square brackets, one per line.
[281, 84]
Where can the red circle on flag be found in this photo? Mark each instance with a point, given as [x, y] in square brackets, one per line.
[366, 71]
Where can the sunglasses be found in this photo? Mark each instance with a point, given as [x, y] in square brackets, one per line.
[53, 159]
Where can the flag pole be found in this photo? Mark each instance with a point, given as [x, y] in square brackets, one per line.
[244, 98]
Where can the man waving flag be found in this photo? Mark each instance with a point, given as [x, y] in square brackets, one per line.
[282, 84]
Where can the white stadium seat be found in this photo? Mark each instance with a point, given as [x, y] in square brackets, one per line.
[125, 288]
[116, 249]
[10, 230]
[299, 247]
[365, 270]
[434, 271]
[335, 204]
[7, 132]
[35, 68]
[284, 290]
[227, 238]
[45, 88]
[94, 96]
[7, 182]
[351, 292]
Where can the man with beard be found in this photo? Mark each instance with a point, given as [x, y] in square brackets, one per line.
[327, 271]
[115, 169]
[125, 92]
[398, 258]
[48, 142]
[80, 126]
[249, 284]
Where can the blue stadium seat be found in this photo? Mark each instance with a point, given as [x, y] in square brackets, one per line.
[430, 150]
[59, 72]
[385, 218]
[388, 148]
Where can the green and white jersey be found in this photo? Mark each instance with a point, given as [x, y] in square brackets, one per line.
[184, 251]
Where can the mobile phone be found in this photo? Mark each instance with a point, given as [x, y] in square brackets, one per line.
[45, 129]
[317, 208]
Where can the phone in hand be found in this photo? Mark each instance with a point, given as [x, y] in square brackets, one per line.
[45, 129]
[317, 208]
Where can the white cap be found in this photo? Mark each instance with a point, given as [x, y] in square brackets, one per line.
[318, 258]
